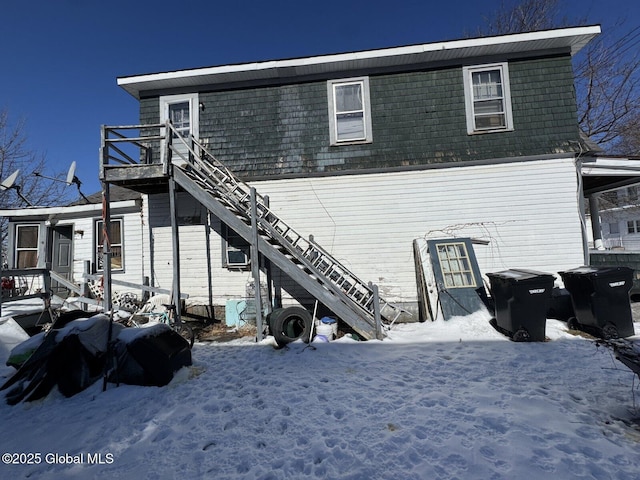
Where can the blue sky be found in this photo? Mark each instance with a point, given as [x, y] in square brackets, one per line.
[60, 59]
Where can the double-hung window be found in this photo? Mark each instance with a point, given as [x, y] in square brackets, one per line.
[27, 240]
[633, 226]
[487, 98]
[115, 241]
[349, 111]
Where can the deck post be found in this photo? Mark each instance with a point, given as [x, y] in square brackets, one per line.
[376, 310]
[106, 272]
[176, 248]
[255, 264]
[267, 267]
[106, 247]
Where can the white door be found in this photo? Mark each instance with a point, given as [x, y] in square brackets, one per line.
[182, 111]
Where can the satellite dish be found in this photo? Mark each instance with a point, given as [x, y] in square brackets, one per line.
[71, 175]
[9, 181]
[71, 178]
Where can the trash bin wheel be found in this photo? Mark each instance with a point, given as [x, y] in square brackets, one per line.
[610, 331]
[572, 324]
[521, 336]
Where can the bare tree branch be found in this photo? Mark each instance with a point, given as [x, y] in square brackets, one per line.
[607, 71]
[14, 155]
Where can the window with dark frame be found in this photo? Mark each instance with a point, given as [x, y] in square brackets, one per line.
[116, 242]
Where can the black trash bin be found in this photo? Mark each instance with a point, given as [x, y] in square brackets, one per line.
[521, 303]
[600, 298]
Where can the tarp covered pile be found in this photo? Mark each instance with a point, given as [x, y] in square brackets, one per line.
[74, 356]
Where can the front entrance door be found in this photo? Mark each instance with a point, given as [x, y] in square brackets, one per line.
[62, 257]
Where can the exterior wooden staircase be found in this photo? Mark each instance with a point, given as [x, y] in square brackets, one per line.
[306, 262]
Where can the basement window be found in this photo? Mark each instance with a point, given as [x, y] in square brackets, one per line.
[487, 98]
[236, 251]
[349, 111]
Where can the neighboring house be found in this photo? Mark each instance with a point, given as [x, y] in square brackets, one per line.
[68, 239]
[620, 219]
[367, 151]
[614, 202]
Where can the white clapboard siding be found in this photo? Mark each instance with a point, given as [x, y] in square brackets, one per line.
[528, 211]
[134, 246]
[201, 274]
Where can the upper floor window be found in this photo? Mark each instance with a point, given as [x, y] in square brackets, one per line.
[487, 98]
[349, 111]
[116, 242]
[27, 240]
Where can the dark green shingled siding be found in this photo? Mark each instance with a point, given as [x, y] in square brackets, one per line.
[418, 118]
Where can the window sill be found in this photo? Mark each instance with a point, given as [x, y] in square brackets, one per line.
[493, 130]
[350, 142]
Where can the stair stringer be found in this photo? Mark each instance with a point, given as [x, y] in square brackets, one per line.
[320, 290]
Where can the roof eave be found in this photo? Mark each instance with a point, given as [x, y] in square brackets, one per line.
[571, 39]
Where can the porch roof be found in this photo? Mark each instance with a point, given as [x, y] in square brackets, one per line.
[604, 173]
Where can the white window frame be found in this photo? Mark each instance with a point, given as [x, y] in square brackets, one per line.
[367, 136]
[633, 227]
[19, 249]
[455, 265]
[194, 115]
[228, 248]
[467, 73]
[98, 247]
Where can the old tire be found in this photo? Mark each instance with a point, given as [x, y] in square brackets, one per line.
[521, 336]
[290, 324]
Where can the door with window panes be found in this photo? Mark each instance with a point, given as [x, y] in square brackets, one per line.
[182, 111]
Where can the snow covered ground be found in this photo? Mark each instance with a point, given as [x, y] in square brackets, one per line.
[444, 400]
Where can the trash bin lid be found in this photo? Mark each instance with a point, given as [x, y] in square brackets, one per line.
[589, 270]
[520, 274]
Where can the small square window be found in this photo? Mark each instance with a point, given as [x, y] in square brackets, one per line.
[614, 228]
[487, 98]
[235, 249]
[349, 111]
